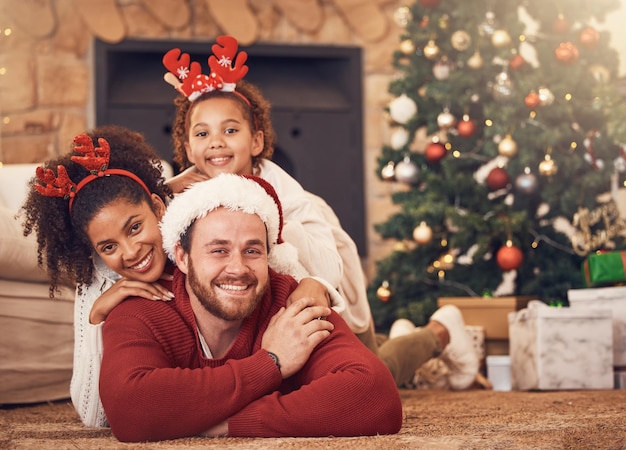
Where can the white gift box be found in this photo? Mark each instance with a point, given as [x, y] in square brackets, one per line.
[613, 299]
[560, 348]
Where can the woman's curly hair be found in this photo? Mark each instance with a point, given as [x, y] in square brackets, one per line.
[63, 246]
[257, 113]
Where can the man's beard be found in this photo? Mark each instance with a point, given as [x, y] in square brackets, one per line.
[227, 309]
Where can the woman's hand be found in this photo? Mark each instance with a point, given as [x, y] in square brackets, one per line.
[123, 289]
[309, 287]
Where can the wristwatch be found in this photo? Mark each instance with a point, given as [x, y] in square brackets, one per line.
[275, 358]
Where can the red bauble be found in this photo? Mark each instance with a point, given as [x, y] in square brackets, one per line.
[566, 53]
[509, 257]
[532, 100]
[429, 3]
[517, 62]
[589, 37]
[560, 25]
[435, 152]
[466, 127]
[497, 179]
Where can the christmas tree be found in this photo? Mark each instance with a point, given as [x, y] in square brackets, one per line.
[506, 131]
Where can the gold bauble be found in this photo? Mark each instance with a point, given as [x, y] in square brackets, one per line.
[389, 171]
[548, 167]
[500, 38]
[475, 61]
[507, 146]
[422, 234]
[407, 47]
[431, 50]
[383, 292]
[461, 40]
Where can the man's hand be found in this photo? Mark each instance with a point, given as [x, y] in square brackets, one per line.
[294, 332]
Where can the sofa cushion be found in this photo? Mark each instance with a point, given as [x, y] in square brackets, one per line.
[18, 254]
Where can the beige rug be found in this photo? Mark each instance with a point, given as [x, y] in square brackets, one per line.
[475, 419]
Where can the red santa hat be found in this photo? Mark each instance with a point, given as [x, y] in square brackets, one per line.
[247, 193]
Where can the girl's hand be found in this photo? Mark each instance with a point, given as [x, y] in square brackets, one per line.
[309, 287]
[181, 181]
[124, 288]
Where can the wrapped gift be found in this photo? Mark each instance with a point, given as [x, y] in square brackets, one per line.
[614, 299]
[604, 268]
[560, 348]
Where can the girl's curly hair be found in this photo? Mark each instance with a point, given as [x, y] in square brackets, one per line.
[63, 246]
[257, 113]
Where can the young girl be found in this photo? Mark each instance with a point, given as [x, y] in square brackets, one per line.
[223, 125]
[96, 212]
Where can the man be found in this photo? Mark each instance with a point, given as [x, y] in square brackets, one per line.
[227, 356]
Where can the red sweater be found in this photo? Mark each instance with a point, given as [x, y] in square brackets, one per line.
[156, 384]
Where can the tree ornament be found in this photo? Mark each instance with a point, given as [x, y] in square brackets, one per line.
[500, 38]
[517, 62]
[600, 73]
[532, 100]
[445, 119]
[466, 127]
[422, 234]
[388, 172]
[431, 50]
[461, 40]
[441, 69]
[487, 28]
[429, 3]
[546, 97]
[402, 109]
[399, 138]
[497, 179]
[566, 53]
[507, 146]
[407, 171]
[560, 25]
[383, 292]
[548, 167]
[502, 88]
[527, 182]
[509, 257]
[475, 61]
[407, 47]
[589, 37]
[435, 152]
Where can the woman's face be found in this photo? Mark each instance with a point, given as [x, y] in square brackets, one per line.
[128, 239]
[220, 139]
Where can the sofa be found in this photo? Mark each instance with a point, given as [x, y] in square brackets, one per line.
[37, 344]
[37, 332]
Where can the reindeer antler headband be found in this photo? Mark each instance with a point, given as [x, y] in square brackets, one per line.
[94, 159]
[189, 80]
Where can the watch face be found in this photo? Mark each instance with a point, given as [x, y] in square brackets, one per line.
[275, 358]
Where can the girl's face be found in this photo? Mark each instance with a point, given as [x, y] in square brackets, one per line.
[220, 139]
[128, 239]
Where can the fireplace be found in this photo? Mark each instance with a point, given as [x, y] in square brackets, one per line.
[316, 96]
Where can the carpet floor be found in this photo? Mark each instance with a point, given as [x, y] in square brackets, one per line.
[474, 419]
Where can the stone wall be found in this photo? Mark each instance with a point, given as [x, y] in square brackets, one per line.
[46, 70]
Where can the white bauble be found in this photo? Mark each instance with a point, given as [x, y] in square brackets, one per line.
[399, 138]
[402, 108]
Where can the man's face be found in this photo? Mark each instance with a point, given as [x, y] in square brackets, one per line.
[226, 267]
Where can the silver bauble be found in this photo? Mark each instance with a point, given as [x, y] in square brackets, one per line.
[527, 182]
[407, 171]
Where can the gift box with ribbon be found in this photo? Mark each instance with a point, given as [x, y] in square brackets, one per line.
[605, 268]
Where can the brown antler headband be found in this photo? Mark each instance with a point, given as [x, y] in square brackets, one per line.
[94, 159]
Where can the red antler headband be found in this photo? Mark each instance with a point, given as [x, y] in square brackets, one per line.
[189, 80]
[94, 159]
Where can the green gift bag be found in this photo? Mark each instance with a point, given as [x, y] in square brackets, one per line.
[605, 268]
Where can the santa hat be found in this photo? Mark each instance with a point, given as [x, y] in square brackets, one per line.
[246, 193]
